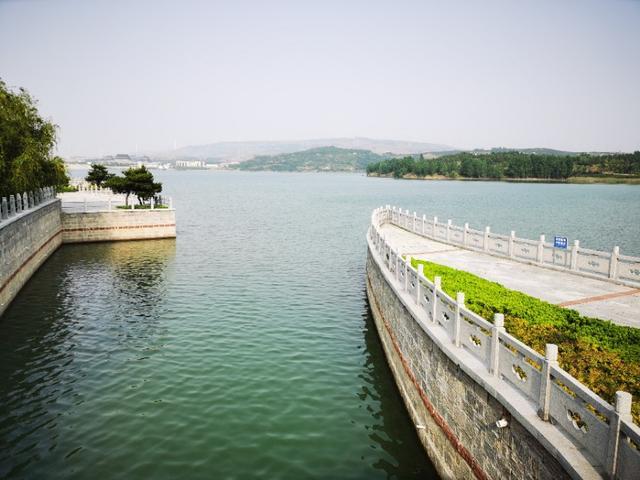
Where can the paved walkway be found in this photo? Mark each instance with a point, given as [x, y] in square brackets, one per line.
[594, 298]
[89, 201]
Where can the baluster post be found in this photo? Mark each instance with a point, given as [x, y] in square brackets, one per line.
[12, 205]
[465, 232]
[574, 254]
[540, 254]
[407, 268]
[435, 223]
[424, 221]
[485, 244]
[550, 362]
[457, 325]
[437, 286]
[613, 265]
[449, 231]
[622, 412]
[415, 218]
[496, 330]
[512, 238]
[418, 283]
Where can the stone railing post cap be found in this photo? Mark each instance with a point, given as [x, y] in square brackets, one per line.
[498, 320]
[551, 352]
[623, 403]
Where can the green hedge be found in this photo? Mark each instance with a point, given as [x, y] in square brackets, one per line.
[602, 355]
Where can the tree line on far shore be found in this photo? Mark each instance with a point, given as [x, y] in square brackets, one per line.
[515, 165]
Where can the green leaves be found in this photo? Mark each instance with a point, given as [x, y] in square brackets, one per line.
[26, 143]
[510, 164]
[98, 175]
[137, 181]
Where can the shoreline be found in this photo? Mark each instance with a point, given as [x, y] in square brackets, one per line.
[570, 180]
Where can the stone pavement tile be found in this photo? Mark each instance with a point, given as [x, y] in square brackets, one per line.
[549, 285]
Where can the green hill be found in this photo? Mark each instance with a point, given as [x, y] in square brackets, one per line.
[515, 165]
[322, 159]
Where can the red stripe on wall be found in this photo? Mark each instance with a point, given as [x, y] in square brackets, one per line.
[124, 227]
[13, 275]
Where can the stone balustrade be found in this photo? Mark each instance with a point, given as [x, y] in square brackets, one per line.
[612, 266]
[606, 432]
[19, 203]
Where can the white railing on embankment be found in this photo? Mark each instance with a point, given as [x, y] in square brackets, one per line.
[22, 202]
[611, 266]
[605, 432]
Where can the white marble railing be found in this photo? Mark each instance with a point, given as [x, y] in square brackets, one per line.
[21, 202]
[575, 259]
[605, 432]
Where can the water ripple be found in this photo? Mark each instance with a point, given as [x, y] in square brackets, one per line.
[243, 349]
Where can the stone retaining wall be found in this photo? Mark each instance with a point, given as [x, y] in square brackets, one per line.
[118, 225]
[29, 237]
[26, 241]
[455, 416]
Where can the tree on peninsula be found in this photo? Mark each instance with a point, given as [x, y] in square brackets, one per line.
[98, 175]
[138, 181]
[26, 145]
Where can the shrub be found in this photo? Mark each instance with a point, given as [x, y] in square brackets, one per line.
[600, 354]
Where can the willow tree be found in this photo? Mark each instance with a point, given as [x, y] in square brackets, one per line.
[26, 145]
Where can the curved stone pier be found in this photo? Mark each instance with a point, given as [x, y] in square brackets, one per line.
[459, 376]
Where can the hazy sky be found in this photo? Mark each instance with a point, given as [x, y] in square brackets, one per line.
[113, 75]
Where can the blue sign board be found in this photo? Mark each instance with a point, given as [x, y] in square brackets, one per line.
[560, 242]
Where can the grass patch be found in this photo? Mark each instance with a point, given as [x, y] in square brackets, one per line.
[611, 179]
[600, 354]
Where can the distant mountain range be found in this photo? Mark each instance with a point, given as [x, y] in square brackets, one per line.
[321, 159]
[335, 159]
[225, 152]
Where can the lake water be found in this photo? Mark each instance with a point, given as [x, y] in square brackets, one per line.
[244, 348]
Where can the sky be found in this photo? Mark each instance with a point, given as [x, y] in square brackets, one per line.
[126, 76]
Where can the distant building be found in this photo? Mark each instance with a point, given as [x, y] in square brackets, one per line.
[190, 164]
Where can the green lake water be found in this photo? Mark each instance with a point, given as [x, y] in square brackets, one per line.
[245, 347]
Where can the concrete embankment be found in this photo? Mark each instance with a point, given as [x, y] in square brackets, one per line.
[455, 416]
[592, 297]
[118, 225]
[29, 236]
[484, 404]
[26, 241]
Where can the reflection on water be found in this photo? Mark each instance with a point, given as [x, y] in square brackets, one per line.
[392, 429]
[55, 339]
